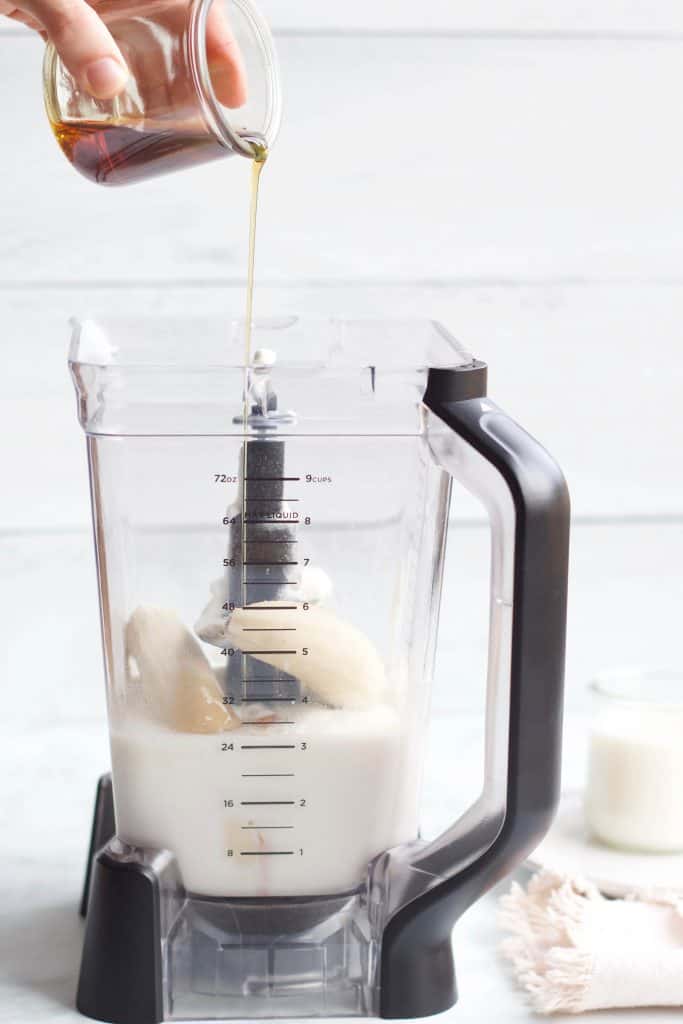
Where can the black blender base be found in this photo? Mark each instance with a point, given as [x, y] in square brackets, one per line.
[103, 829]
[136, 907]
[120, 978]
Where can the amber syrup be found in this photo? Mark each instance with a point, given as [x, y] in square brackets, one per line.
[119, 153]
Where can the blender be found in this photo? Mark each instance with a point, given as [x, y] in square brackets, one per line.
[270, 544]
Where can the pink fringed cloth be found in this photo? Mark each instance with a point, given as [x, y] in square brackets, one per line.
[572, 950]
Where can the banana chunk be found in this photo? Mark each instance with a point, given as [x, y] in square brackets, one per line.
[175, 675]
[211, 626]
[335, 662]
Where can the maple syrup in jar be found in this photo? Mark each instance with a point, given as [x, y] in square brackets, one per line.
[118, 154]
[203, 83]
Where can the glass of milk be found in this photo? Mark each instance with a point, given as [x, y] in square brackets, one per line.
[634, 791]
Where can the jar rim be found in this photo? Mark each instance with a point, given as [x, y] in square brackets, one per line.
[658, 689]
[212, 108]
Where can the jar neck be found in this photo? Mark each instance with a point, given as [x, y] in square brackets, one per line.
[245, 143]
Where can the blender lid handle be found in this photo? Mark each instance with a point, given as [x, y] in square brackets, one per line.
[530, 513]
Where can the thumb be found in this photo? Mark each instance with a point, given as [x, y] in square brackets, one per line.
[84, 43]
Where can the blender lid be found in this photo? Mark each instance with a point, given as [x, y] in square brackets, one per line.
[186, 374]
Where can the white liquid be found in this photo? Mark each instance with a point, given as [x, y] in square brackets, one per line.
[634, 797]
[343, 790]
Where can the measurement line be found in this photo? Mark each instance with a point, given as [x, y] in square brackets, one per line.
[269, 583]
[262, 828]
[266, 803]
[267, 775]
[265, 679]
[268, 563]
[281, 479]
[268, 651]
[262, 700]
[277, 518]
[268, 517]
[275, 497]
[266, 853]
[271, 541]
[270, 608]
[268, 746]
[279, 722]
[269, 629]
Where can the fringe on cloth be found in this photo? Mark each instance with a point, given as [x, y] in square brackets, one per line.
[572, 950]
[544, 922]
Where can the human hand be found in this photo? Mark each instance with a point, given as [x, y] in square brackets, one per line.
[88, 50]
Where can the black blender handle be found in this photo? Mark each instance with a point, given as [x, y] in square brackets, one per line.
[417, 972]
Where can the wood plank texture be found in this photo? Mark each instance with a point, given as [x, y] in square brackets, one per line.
[525, 17]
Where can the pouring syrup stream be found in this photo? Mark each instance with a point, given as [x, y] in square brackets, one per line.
[258, 163]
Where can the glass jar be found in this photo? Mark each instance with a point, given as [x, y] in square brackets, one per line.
[203, 84]
[634, 792]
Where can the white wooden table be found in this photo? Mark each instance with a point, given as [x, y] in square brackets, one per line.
[512, 170]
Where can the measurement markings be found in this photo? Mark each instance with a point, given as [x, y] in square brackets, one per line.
[266, 803]
[278, 722]
[266, 853]
[263, 700]
[275, 498]
[269, 583]
[280, 479]
[270, 608]
[262, 828]
[271, 746]
[269, 563]
[268, 517]
[269, 629]
[258, 679]
[264, 679]
[267, 775]
[268, 651]
[271, 541]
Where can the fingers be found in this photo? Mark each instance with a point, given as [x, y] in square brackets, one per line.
[93, 58]
[23, 19]
[84, 44]
[226, 65]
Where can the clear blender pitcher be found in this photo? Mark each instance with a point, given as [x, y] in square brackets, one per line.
[270, 542]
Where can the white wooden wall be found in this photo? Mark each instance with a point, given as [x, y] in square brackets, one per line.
[514, 170]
